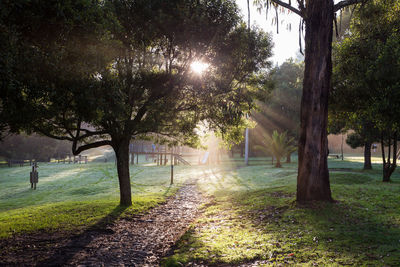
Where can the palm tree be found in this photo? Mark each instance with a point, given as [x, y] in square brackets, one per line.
[279, 145]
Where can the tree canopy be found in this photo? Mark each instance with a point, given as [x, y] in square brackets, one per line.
[279, 145]
[281, 111]
[367, 76]
[115, 70]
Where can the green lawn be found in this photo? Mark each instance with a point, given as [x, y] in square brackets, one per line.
[76, 196]
[253, 216]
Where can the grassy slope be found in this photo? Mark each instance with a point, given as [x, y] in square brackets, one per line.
[253, 217]
[76, 196]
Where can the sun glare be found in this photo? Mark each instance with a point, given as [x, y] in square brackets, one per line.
[199, 67]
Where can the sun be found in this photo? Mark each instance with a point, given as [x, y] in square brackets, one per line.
[199, 67]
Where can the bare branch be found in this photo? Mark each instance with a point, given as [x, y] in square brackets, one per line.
[48, 134]
[301, 5]
[345, 3]
[288, 6]
[89, 146]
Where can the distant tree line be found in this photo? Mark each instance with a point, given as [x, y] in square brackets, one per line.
[33, 147]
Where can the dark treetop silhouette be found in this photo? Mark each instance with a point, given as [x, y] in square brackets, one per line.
[112, 70]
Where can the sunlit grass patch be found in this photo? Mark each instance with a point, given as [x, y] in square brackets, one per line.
[76, 196]
[253, 217]
[68, 216]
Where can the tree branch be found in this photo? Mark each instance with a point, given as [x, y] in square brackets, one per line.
[89, 146]
[90, 133]
[345, 3]
[143, 109]
[48, 134]
[288, 6]
[301, 5]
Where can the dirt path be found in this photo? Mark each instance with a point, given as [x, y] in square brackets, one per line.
[133, 242]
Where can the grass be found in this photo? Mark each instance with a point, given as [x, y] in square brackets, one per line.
[73, 197]
[252, 214]
[253, 217]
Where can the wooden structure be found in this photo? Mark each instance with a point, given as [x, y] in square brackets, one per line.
[159, 154]
[75, 159]
[21, 163]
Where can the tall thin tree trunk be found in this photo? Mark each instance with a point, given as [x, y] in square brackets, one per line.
[278, 163]
[313, 175]
[122, 153]
[288, 158]
[388, 166]
[367, 156]
[341, 147]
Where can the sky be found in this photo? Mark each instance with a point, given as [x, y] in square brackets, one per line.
[286, 43]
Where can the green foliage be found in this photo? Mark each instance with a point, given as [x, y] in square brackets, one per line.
[279, 145]
[366, 74]
[283, 110]
[354, 140]
[116, 70]
[366, 64]
[127, 72]
[45, 44]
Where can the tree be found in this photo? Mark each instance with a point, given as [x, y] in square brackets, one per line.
[317, 16]
[367, 67]
[343, 117]
[279, 145]
[131, 76]
[364, 136]
[283, 110]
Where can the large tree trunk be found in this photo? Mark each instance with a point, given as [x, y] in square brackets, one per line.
[122, 153]
[313, 175]
[388, 169]
[367, 156]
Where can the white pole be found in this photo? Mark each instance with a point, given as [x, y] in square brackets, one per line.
[246, 147]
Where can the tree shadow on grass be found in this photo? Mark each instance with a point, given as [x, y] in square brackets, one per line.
[168, 189]
[350, 178]
[320, 233]
[64, 253]
[352, 234]
[335, 233]
[51, 191]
